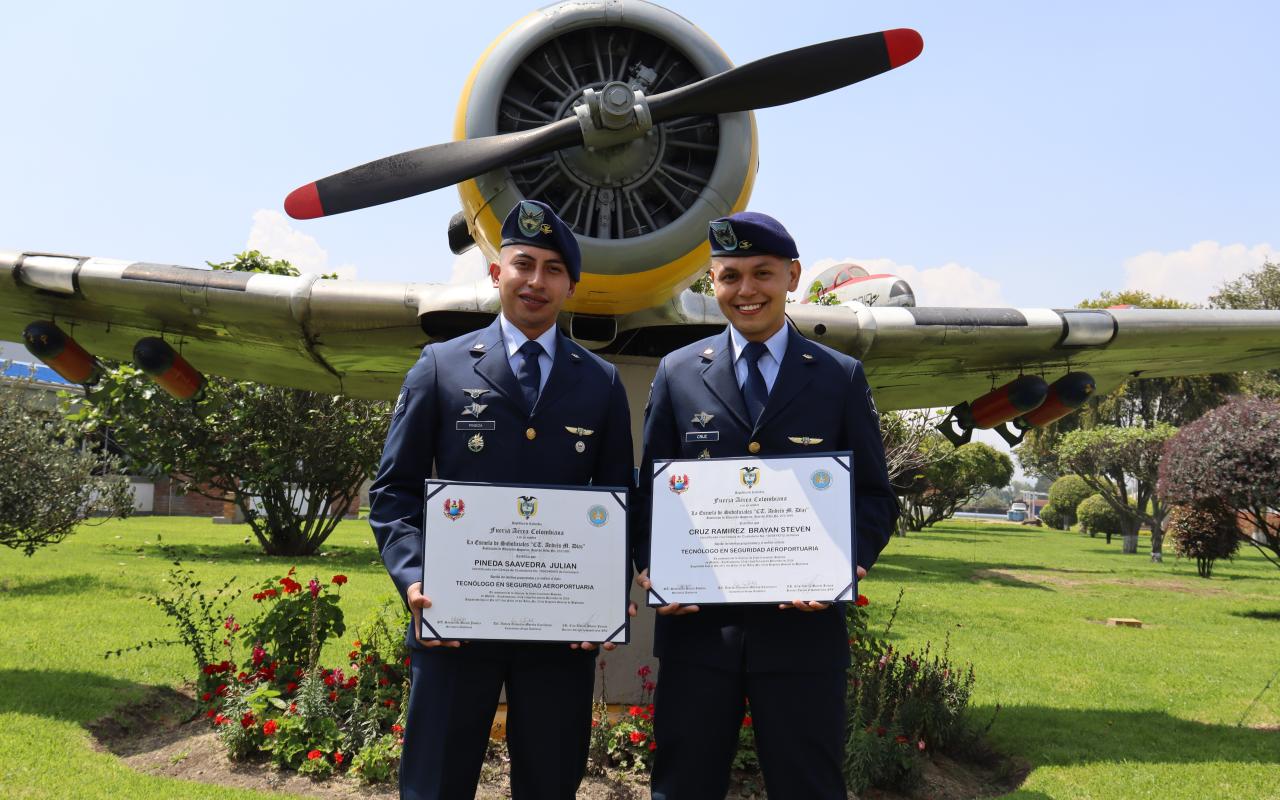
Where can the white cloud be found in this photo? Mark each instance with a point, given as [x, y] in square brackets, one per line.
[1192, 275]
[275, 237]
[469, 267]
[948, 285]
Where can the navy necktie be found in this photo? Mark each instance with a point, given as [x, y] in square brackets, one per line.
[530, 373]
[754, 389]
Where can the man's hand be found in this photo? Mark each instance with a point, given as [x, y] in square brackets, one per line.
[642, 580]
[417, 602]
[815, 605]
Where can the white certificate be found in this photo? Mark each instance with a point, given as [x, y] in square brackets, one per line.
[545, 564]
[752, 530]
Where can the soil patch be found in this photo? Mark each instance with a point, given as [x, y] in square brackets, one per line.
[1066, 579]
[156, 735]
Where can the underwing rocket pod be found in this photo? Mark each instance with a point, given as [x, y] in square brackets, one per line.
[1066, 394]
[168, 369]
[49, 343]
[996, 407]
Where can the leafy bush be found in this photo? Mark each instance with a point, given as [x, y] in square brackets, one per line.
[1055, 518]
[49, 483]
[1066, 494]
[624, 741]
[900, 706]
[1206, 532]
[303, 716]
[1097, 516]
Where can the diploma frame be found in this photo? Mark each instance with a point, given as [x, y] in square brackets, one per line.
[612, 496]
[842, 460]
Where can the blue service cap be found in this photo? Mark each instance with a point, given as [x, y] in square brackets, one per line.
[750, 233]
[532, 222]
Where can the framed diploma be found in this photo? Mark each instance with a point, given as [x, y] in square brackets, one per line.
[525, 563]
[753, 530]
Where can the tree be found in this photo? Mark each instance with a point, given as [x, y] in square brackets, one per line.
[1231, 455]
[1066, 494]
[1055, 518]
[50, 481]
[1096, 516]
[1122, 465]
[960, 477]
[292, 461]
[815, 295]
[1204, 531]
[911, 443]
[1254, 290]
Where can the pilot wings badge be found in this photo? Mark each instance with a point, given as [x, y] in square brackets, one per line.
[750, 476]
[725, 236]
[527, 505]
[454, 509]
[530, 219]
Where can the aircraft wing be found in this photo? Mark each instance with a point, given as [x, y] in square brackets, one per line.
[359, 337]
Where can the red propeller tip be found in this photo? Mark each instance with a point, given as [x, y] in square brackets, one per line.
[304, 203]
[903, 44]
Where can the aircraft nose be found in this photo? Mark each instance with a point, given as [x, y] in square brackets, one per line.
[900, 294]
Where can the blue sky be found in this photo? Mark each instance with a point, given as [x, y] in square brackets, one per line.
[1035, 154]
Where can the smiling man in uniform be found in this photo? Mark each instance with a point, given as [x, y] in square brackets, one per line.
[758, 389]
[519, 403]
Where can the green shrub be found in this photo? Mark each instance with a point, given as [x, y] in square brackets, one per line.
[1052, 516]
[1066, 494]
[1097, 516]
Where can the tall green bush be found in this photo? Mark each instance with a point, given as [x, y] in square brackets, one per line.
[1066, 494]
[1097, 516]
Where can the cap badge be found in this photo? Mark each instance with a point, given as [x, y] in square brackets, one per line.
[531, 219]
[723, 231]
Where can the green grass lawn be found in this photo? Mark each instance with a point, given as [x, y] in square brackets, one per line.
[1100, 712]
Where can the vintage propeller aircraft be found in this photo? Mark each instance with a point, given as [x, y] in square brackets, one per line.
[636, 127]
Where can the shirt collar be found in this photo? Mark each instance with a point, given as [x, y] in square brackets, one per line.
[776, 344]
[513, 338]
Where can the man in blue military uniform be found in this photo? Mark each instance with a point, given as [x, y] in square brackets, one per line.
[517, 403]
[762, 389]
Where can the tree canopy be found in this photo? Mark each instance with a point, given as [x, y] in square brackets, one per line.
[1254, 290]
[959, 477]
[1122, 464]
[50, 480]
[1231, 455]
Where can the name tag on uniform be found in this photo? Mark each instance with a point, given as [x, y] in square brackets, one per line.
[702, 436]
[475, 425]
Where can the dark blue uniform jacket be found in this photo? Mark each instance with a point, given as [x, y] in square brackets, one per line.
[819, 394]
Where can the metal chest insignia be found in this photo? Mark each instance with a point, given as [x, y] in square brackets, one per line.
[476, 443]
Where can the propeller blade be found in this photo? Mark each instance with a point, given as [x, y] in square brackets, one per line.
[772, 81]
[425, 169]
[794, 75]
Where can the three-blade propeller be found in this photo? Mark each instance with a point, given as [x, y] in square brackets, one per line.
[772, 81]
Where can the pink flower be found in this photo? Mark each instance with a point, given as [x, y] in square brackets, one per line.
[314, 586]
[644, 671]
[920, 745]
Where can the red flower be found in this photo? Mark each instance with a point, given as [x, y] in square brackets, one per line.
[313, 586]
[389, 703]
[636, 737]
[383, 682]
[206, 697]
[329, 679]
[259, 655]
[290, 585]
[653, 745]
[337, 757]
[746, 721]
[333, 697]
[881, 731]
[259, 596]
[353, 655]
[351, 683]
[269, 727]
[211, 712]
[338, 580]
[220, 720]
[644, 671]
[900, 739]
[356, 643]
[635, 711]
[291, 687]
[293, 708]
[397, 728]
[861, 601]
[314, 754]
[270, 593]
[649, 686]
[246, 721]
